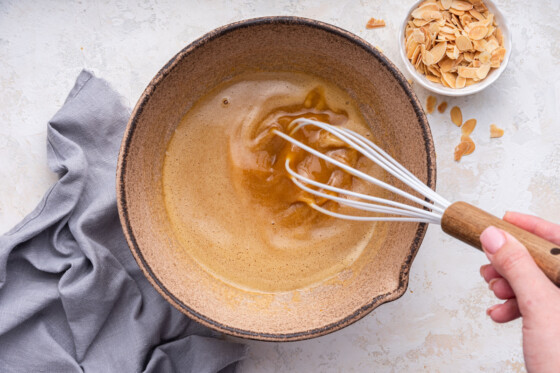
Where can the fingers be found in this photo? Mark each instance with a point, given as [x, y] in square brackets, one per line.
[512, 260]
[504, 312]
[496, 283]
[545, 229]
[488, 272]
[501, 288]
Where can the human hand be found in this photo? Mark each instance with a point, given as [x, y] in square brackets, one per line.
[514, 277]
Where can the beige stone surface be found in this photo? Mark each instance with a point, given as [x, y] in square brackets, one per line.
[439, 325]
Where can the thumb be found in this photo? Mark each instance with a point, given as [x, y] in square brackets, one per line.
[512, 260]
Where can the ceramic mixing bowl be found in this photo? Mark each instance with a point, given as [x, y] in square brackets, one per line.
[387, 103]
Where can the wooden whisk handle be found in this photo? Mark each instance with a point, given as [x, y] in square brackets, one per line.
[466, 222]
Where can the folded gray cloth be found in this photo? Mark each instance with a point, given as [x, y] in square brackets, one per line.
[72, 297]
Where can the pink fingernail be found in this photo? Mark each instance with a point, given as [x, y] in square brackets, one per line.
[489, 310]
[492, 239]
[491, 283]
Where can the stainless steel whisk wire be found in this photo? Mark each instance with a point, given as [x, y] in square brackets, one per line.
[401, 211]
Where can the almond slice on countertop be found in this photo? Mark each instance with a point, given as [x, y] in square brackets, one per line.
[375, 23]
[468, 127]
[441, 107]
[460, 150]
[456, 116]
[468, 140]
[431, 102]
[495, 131]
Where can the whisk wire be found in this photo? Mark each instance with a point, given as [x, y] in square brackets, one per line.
[399, 208]
[375, 154]
[367, 148]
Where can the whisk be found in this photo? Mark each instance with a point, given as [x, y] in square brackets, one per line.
[460, 219]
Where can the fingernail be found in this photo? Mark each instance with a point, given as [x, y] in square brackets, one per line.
[491, 283]
[489, 310]
[492, 239]
[483, 269]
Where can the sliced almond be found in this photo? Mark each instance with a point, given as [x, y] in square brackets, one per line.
[482, 71]
[375, 23]
[499, 36]
[454, 41]
[431, 15]
[428, 7]
[495, 131]
[470, 142]
[418, 36]
[431, 102]
[484, 57]
[441, 107]
[446, 65]
[467, 72]
[434, 69]
[415, 54]
[499, 53]
[433, 78]
[456, 12]
[463, 43]
[468, 127]
[461, 5]
[460, 150]
[433, 28]
[449, 78]
[436, 54]
[454, 53]
[492, 45]
[410, 48]
[478, 32]
[418, 22]
[468, 56]
[446, 4]
[476, 14]
[456, 116]
[466, 19]
[480, 45]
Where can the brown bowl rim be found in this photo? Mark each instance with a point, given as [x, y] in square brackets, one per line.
[126, 142]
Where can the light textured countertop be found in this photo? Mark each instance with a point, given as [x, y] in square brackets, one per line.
[440, 323]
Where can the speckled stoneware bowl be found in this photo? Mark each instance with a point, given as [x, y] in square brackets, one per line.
[270, 44]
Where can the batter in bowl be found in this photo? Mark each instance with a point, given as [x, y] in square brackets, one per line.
[229, 198]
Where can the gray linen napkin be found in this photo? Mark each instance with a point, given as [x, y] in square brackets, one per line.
[72, 297]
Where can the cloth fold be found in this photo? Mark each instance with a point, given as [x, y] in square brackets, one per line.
[72, 297]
